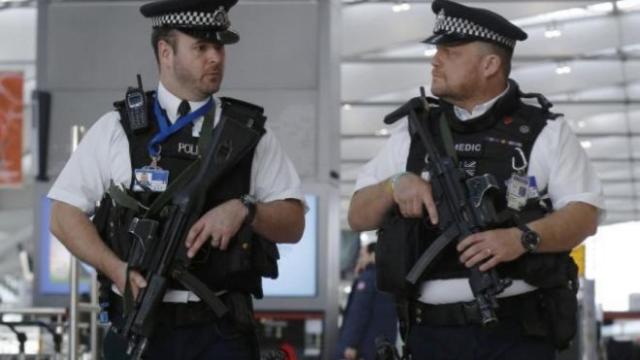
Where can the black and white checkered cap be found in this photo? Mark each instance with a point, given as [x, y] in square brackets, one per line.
[204, 19]
[457, 23]
[190, 19]
[449, 24]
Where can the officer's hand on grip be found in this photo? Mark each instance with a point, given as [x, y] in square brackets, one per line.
[490, 248]
[136, 280]
[411, 193]
[217, 226]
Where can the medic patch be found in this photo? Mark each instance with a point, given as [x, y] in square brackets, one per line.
[469, 149]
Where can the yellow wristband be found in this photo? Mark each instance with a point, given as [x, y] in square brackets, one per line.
[394, 180]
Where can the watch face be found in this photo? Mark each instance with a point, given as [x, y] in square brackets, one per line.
[248, 199]
[530, 240]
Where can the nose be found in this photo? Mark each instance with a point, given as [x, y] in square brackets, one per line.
[435, 60]
[215, 53]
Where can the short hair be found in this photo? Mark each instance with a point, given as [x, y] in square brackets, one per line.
[166, 34]
[503, 53]
[371, 248]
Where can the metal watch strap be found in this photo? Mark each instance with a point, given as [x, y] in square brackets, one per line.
[250, 202]
[525, 232]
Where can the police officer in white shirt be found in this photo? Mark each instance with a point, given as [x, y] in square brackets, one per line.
[261, 192]
[493, 131]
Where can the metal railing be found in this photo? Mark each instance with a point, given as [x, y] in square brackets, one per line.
[76, 308]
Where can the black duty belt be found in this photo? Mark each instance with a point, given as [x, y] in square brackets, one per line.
[466, 313]
[172, 314]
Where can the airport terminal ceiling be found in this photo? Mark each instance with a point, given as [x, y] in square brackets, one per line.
[584, 55]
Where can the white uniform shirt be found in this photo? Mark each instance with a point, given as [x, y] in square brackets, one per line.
[103, 155]
[557, 161]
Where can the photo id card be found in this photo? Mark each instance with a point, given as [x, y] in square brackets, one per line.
[151, 179]
[517, 191]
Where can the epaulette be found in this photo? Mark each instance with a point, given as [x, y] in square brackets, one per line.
[243, 110]
[544, 103]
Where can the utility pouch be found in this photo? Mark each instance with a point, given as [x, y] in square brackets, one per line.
[240, 311]
[557, 303]
[265, 257]
[101, 217]
[236, 259]
[112, 223]
[547, 270]
[560, 308]
[247, 254]
[144, 241]
[400, 242]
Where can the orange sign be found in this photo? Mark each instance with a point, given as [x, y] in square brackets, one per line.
[11, 118]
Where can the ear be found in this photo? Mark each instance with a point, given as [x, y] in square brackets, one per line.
[165, 53]
[491, 65]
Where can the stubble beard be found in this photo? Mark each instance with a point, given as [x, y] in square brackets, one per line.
[197, 86]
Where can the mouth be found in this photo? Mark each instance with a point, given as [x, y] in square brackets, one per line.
[212, 75]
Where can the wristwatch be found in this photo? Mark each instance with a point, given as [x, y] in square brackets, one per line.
[529, 238]
[250, 202]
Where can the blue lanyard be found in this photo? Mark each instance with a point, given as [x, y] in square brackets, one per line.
[166, 130]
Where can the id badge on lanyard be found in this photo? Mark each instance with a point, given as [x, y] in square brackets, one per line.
[150, 178]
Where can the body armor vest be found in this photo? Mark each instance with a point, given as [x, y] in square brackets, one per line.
[487, 144]
[234, 269]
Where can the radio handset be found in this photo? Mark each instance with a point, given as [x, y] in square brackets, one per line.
[136, 105]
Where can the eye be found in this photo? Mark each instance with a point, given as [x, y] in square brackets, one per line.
[201, 47]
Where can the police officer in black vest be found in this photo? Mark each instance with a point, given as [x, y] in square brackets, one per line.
[258, 201]
[545, 180]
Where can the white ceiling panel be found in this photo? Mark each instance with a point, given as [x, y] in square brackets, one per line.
[364, 80]
[363, 120]
[584, 75]
[612, 170]
[578, 37]
[607, 123]
[361, 149]
[628, 204]
[611, 147]
[371, 27]
[624, 190]
[618, 217]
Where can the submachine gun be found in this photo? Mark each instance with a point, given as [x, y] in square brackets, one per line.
[165, 257]
[465, 206]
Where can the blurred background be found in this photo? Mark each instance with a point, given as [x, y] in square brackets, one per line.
[327, 71]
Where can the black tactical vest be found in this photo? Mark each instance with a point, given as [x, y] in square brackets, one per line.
[233, 269]
[486, 144]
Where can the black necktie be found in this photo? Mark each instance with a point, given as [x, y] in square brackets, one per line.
[184, 108]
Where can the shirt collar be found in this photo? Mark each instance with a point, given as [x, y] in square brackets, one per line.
[170, 102]
[478, 110]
